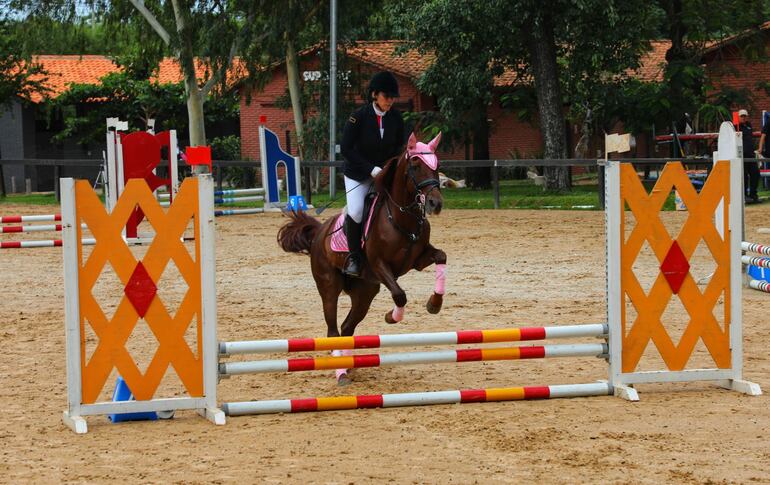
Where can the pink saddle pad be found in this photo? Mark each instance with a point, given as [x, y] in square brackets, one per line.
[339, 243]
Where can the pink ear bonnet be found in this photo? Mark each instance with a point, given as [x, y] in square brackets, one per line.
[424, 151]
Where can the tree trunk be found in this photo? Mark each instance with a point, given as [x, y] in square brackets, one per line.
[195, 114]
[480, 178]
[197, 126]
[292, 73]
[544, 67]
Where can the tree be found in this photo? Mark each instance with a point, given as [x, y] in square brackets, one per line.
[134, 98]
[19, 77]
[287, 27]
[211, 31]
[572, 51]
[692, 26]
[684, 91]
[458, 34]
[561, 48]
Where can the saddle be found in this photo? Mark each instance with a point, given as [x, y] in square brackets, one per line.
[339, 242]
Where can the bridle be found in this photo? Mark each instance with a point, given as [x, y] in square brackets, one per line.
[417, 208]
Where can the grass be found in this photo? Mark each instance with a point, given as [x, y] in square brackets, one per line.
[514, 194]
[37, 198]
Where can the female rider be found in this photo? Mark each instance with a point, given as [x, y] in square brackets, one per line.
[373, 134]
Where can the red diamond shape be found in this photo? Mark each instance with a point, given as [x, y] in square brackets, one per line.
[675, 267]
[140, 289]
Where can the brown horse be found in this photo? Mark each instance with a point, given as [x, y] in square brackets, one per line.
[398, 240]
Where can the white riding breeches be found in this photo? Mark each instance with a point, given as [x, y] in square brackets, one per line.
[356, 193]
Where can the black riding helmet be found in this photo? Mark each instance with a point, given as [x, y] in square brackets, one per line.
[383, 82]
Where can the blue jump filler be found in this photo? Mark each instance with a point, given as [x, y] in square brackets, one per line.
[123, 393]
[273, 157]
[297, 203]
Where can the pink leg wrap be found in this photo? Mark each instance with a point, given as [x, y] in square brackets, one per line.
[440, 279]
[340, 372]
[398, 313]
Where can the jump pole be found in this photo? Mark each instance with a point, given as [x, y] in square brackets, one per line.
[760, 285]
[416, 399]
[35, 228]
[33, 218]
[755, 248]
[413, 339]
[407, 358]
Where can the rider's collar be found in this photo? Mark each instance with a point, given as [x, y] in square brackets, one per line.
[377, 110]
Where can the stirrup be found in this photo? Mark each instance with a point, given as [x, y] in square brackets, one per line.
[353, 266]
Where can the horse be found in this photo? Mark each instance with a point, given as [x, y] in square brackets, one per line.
[397, 241]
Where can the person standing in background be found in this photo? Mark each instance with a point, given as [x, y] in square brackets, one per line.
[750, 169]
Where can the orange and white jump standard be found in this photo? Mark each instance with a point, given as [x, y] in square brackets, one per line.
[624, 338]
[196, 367]
[715, 216]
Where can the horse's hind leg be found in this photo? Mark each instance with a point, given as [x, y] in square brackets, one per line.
[361, 296]
[330, 287]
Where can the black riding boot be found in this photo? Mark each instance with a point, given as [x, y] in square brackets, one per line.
[354, 263]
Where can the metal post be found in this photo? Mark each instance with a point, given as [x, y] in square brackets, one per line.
[2, 179]
[56, 186]
[602, 186]
[496, 184]
[333, 97]
[308, 189]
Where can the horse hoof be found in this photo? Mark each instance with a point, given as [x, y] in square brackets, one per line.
[344, 380]
[389, 317]
[434, 307]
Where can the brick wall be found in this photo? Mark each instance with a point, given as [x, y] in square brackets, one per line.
[729, 68]
[509, 137]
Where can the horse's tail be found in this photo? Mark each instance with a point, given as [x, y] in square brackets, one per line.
[297, 235]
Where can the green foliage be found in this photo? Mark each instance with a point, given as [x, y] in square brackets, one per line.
[522, 101]
[315, 104]
[226, 148]
[19, 76]
[459, 34]
[134, 100]
[229, 148]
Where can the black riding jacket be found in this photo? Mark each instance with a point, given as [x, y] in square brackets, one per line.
[362, 146]
[748, 139]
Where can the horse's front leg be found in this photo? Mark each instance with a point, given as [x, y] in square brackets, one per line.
[430, 256]
[383, 272]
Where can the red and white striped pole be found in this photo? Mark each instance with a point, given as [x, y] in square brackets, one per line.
[412, 339]
[19, 219]
[407, 358]
[416, 399]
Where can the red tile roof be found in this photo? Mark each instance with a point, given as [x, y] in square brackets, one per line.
[652, 63]
[383, 54]
[66, 69]
[63, 70]
[719, 44]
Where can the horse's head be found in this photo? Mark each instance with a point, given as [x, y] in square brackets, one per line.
[422, 173]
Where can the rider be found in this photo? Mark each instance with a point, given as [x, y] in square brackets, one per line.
[373, 134]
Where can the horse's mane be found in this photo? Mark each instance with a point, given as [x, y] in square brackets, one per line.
[384, 180]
